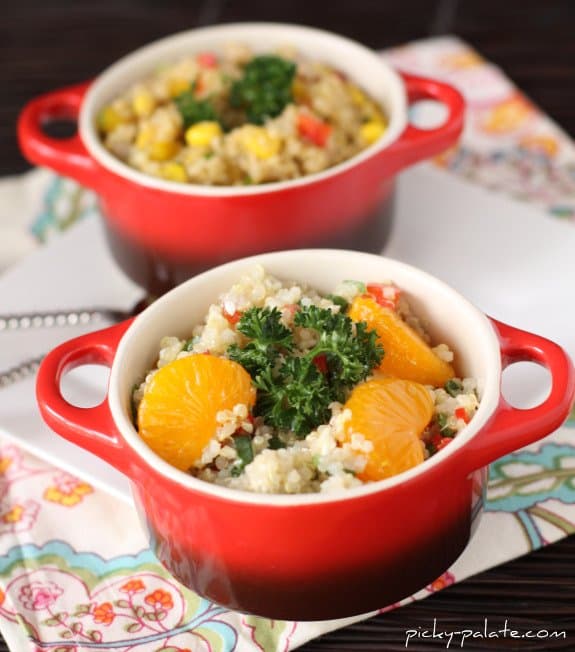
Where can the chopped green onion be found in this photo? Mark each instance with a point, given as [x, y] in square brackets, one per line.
[339, 301]
[243, 444]
[442, 420]
[453, 387]
[189, 344]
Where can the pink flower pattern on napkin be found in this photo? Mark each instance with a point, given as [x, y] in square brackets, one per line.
[39, 596]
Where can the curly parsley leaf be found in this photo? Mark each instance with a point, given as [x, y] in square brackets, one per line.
[265, 88]
[294, 398]
[193, 110]
[264, 325]
[268, 337]
[294, 391]
[351, 350]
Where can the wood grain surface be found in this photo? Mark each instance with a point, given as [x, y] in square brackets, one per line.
[46, 44]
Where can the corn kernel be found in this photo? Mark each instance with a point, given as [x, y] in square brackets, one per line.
[299, 90]
[162, 150]
[143, 103]
[372, 131]
[173, 171]
[109, 119]
[357, 95]
[202, 133]
[258, 141]
[177, 85]
[145, 136]
[376, 114]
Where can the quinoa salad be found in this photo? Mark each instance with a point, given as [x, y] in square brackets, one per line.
[282, 389]
[237, 118]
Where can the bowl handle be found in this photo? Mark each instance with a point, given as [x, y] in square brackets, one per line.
[67, 156]
[512, 428]
[91, 428]
[416, 144]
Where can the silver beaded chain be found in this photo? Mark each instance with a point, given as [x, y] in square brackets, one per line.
[48, 320]
[21, 371]
[54, 319]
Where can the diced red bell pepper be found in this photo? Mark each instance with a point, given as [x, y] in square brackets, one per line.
[461, 413]
[313, 129]
[320, 362]
[291, 309]
[207, 60]
[199, 86]
[385, 295]
[439, 442]
[443, 443]
[435, 439]
[234, 318]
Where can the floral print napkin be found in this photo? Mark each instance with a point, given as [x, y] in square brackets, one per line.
[75, 570]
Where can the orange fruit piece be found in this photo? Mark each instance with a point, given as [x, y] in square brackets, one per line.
[177, 414]
[392, 414]
[406, 354]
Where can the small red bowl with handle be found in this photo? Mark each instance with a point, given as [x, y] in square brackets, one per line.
[310, 556]
[163, 232]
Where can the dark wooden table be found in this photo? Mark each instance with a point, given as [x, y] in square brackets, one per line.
[46, 44]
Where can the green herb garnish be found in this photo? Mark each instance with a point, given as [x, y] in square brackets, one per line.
[193, 110]
[243, 444]
[265, 88]
[297, 398]
[351, 350]
[294, 392]
[442, 419]
[453, 387]
[269, 337]
[189, 344]
[339, 301]
[275, 443]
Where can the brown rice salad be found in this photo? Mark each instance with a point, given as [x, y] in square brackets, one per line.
[326, 407]
[235, 118]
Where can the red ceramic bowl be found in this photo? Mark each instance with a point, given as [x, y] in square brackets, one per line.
[310, 556]
[162, 233]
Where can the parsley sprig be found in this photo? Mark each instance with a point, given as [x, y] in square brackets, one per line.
[268, 338]
[265, 88]
[193, 110]
[294, 393]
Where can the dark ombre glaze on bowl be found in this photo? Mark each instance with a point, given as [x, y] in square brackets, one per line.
[162, 232]
[310, 556]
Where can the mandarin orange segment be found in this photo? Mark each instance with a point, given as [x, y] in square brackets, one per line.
[406, 356]
[177, 414]
[392, 414]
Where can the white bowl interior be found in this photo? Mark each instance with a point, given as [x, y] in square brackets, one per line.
[451, 318]
[359, 63]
